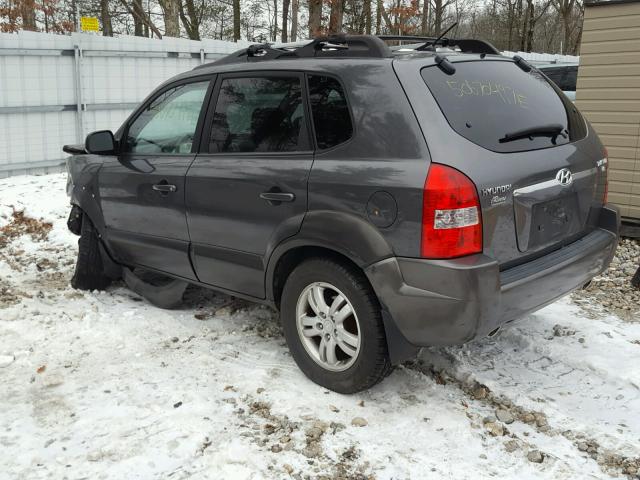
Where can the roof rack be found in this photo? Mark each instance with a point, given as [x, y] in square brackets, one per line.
[336, 46]
[349, 46]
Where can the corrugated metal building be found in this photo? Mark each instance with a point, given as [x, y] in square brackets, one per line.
[608, 93]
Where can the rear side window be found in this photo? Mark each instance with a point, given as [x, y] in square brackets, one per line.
[330, 111]
[488, 102]
[258, 114]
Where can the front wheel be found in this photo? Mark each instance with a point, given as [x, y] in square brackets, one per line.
[89, 273]
[333, 326]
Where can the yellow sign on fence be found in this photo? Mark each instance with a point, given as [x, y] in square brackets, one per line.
[89, 24]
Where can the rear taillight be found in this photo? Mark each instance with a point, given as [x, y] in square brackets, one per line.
[451, 221]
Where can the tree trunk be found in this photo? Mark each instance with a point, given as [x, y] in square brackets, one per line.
[285, 20]
[315, 18]
[28, 14]
[437, 20]
[335, 18]
[366, 12]
[236, 20]
[190, 19]
[142, 17]
[294, 20]
[566, 20]
[274, 34]
[138, 24]
[171, 18]
[532, 26]
[424, 29]
[525, 26]
[105, 16]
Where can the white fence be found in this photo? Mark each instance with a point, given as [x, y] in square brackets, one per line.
[538, 58]
[54, 89]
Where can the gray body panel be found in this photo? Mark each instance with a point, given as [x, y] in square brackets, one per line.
[363, 200]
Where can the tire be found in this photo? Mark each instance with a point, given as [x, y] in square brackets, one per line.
[352, 373]
[635, 281]
[89, 273]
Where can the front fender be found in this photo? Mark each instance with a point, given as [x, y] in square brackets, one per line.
[82, 187]
[344, 233]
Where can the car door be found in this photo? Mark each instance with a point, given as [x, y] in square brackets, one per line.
[142, 189]
[247, 190]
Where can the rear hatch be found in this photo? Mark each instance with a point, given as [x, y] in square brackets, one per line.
[520, 140]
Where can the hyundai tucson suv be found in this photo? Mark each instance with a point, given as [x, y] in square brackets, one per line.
[381, 199]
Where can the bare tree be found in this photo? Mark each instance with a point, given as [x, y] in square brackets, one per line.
[294, 19]
[28, 14]
[171, 11]
[105, 16]
[315, 18]
[424, 21]
[335, 17]
[285, 20]
[191, 18]
[138, 23]
[236, 20]
[366, 12]
[142, 17]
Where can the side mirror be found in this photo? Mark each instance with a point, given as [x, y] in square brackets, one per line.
[100, 143]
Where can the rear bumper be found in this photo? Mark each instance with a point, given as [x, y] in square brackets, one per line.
[449, 302]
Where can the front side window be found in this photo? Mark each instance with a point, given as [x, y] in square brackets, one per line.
[330, 111]
[168, 124]
[258, 114]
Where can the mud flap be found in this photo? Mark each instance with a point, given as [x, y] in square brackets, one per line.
[111, 268]
[400, 350]
[164, 296]
[74, 222]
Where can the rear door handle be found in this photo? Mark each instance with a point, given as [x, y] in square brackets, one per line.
[164, 187]
[276, 197]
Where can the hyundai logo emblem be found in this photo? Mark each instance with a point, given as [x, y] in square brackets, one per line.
[564, 177]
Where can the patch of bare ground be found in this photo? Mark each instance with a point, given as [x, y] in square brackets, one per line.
[506, 413]
[21, 224]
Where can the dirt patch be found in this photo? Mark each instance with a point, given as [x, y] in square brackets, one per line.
[506, 412]
[8, 295]
[21, 224]
[277, 433]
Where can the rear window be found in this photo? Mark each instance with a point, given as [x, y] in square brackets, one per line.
[486, 101]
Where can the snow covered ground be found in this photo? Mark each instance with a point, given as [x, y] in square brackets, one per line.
[103, 385]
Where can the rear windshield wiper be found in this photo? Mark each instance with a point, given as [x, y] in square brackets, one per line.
[552, 130]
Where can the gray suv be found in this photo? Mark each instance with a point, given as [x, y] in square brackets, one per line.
[381, 198]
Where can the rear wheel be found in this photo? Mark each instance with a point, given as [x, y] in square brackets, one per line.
[333, 326]
[89, 273]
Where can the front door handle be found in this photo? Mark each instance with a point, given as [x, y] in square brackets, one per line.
[164, 188]
[275, 198]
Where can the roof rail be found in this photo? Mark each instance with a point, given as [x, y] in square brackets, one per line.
[406, 38]
[348, 46]
[332, 46]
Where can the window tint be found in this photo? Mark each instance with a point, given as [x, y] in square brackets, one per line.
[486, 100]
[261, 114]
[330, 111]
[555, 75]
[570, 79]
[168, 124]
[564, 77]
